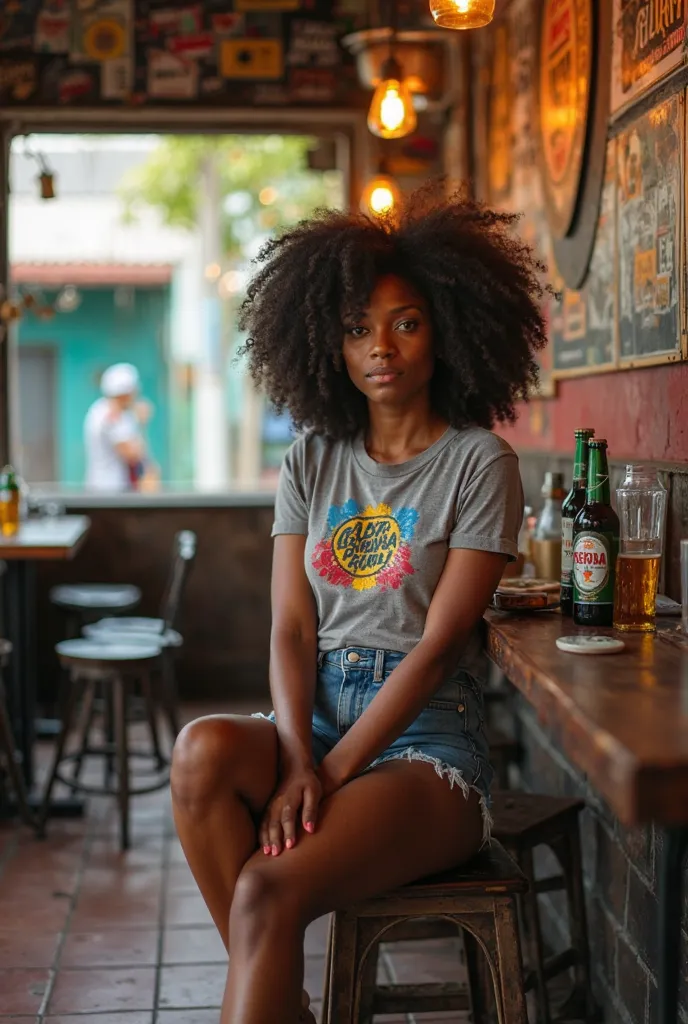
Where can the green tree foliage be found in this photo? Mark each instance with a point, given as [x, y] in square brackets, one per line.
[264, 183]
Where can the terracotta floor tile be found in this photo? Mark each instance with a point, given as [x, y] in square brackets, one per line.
[22, 991]
[111, 948]
[193, 946]
[27, 949]
[47, 919]
[121, 881]
[193, 986]
[186, 909]
[188, 1017]
[180, 879]
[94, 914]
[143, 1017]
[146, 851]
[98, 991]
[176, 854]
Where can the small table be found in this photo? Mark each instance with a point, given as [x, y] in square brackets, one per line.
[54, 538]
[623, 720]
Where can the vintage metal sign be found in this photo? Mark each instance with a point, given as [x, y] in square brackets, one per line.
[566, 52]
[649, 41]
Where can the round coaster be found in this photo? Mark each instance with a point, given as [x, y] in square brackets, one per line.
[590, 644]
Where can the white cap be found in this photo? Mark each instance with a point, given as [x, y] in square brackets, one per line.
[120, 379]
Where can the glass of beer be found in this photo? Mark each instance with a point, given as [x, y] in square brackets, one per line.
[641, 507]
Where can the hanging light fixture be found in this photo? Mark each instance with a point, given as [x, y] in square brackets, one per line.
[391, 114]
[381, 198]
[462, 13]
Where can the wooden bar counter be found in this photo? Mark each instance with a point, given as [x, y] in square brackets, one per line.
[623, 720]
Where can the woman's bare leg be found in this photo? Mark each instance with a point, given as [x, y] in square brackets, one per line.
[385, 828]
[224, 770]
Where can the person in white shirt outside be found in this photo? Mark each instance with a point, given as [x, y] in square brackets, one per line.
[113, 432]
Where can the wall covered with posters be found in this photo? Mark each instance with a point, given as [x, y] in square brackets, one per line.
[536, 89]
[228, 52]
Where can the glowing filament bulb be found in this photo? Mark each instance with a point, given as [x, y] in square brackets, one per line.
[462, 13]
[391, 114]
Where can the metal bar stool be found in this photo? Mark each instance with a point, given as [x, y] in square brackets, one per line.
[14, 774]
[479, 898]
[114, 665]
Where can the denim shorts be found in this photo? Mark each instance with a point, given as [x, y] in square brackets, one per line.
[448, 733]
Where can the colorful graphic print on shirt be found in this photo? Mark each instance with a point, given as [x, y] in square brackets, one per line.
[366, 547]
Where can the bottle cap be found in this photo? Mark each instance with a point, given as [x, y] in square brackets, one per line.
[597, 442]
[588, 431]
[590, 643]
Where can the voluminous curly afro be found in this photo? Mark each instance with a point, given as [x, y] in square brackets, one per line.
[482, 285]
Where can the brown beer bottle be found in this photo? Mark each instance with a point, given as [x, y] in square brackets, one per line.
[573, 503]
[595, 545]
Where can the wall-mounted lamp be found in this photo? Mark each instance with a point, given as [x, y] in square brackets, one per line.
[462, 13]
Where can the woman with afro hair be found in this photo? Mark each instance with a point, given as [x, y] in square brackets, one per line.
[395, 348]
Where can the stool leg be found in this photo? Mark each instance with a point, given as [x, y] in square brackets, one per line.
[581, 1003]
[510, 996]
[533, 936]
[84, 727]
[72, 687]
[475, 969]
[16, 777]
[119, 694]
[109, 735]
[168, 686]
[368, 985]
[146, 686]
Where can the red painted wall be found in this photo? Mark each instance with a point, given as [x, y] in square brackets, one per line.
[642, 413]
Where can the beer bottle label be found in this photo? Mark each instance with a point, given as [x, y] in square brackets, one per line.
[594, 557]
[566, 552]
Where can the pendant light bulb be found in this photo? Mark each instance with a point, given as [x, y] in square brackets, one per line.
[462, 13]
[381, 197]
[391, 114]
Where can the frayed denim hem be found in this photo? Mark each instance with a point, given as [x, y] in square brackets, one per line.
[454, 777]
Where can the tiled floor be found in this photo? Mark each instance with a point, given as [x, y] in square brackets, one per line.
[92, 936]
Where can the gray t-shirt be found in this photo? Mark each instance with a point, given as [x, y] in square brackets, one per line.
[378, 534]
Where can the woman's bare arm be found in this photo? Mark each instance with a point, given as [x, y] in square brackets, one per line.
[293, 649]
[467, 583]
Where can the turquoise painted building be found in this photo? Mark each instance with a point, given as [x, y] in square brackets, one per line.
[60, 364]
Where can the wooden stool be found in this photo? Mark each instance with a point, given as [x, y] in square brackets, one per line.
[113, 665]
[479, 898]
[504, 751]
[7, 746]
[523, 821]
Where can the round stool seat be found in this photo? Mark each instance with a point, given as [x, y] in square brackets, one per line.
[111, 633]
[108, 651]
[122, 623]
[96, 596]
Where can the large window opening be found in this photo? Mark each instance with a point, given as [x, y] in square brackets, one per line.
[140, 262]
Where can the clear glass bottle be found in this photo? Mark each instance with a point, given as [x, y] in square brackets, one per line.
[641, 507]
[545, 546]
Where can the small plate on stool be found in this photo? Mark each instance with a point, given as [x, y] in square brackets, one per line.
[590, 644]
[526, 594]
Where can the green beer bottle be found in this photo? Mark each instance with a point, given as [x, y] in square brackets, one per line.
[573, 503]
[9, 502]
[595, 545]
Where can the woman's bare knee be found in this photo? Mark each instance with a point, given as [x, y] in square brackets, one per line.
[202, 760]
[262, 904]
[219, 755]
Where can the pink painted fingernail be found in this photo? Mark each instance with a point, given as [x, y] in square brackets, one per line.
[266, 849]
[275, 851]
[310, 827]
[289, 843]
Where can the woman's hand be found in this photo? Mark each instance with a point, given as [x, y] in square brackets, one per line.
[298, 797]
